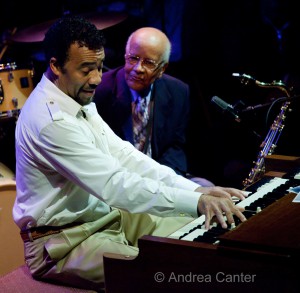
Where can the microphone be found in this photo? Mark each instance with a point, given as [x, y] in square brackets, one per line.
[226, 107]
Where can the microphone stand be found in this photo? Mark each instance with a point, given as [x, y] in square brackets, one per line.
[260, 106]
[251, 109]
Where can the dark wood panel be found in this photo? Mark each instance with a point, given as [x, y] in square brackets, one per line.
[274, 230]
[194, 267]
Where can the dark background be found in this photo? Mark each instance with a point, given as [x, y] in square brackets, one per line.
[211, 41]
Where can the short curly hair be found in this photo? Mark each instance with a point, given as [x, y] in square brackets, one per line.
[67, 31]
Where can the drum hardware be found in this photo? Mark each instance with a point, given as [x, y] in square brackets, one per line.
[8, 66]
[15, 102]
[10, 76]
[10, 114]
[1, 93]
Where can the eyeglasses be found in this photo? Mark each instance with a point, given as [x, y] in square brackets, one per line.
[145, 62]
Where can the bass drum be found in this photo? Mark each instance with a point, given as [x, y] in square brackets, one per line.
[11, 244]
[16, 84]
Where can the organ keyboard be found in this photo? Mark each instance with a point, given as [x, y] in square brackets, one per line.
[259, 255]
[193, 230]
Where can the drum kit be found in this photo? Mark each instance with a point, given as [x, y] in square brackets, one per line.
[16, 81]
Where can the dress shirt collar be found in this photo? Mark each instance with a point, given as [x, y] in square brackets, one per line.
[90, 109]
[135, 94]
[66, 103]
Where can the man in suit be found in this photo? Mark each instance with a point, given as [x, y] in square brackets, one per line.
[167, 100]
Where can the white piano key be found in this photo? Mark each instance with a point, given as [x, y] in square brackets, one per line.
[297, 176]
[187, 228]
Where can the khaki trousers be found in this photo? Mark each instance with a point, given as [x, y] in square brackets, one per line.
[75, 256]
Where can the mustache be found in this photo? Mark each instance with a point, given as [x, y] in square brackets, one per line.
[91, 87]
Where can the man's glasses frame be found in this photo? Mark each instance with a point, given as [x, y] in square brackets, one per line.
[145, 62]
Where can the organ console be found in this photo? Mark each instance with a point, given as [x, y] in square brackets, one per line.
[259, 255]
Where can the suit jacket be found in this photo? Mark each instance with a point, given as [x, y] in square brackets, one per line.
[170, 115]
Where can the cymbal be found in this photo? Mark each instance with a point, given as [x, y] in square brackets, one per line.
[36, 33]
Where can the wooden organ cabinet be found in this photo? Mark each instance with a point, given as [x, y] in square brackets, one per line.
[259, 255]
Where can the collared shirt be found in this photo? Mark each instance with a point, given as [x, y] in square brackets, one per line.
[74, 169]
[135, 95]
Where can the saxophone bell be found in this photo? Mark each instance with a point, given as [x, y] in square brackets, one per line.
[249, 80]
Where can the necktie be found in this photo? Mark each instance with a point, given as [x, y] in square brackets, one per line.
[140, 118]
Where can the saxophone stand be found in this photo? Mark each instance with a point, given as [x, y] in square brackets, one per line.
[269, 144]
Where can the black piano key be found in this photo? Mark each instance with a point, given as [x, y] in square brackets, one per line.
[253, 188]
[248, 214]
[205, 239]
[217, 230]
[261, 203]
[274, 195]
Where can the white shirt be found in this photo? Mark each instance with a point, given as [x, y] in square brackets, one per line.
[72, 169]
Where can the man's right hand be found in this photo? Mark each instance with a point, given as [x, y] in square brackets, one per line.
[211, 206]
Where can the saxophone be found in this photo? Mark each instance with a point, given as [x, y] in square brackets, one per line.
[270, 142]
